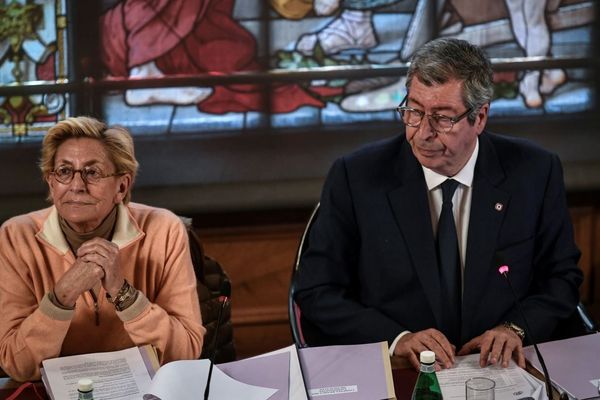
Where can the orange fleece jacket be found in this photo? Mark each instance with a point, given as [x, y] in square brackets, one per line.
[155, 258]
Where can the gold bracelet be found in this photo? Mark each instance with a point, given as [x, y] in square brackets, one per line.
[122, 290]
[128, 299]
[520, 332]
[125, 297]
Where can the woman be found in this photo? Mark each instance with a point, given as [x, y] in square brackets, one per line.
[94, 272]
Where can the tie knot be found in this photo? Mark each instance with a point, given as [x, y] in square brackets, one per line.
[448, 188]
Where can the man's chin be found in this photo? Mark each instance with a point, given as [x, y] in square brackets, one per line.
[429, 160]
[434, 165]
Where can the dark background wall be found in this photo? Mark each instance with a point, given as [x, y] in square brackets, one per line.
[198, 175]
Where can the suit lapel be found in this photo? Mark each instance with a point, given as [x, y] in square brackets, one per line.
[488, 206]
[410, 205]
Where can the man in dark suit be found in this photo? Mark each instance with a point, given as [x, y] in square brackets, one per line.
[412, 230]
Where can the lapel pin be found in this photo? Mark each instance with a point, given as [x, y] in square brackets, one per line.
[499, 206]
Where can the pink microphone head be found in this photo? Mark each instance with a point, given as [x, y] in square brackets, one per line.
[503, 269]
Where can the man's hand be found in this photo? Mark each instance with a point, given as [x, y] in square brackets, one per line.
[412, 344]
[499, 343]
[104, 254]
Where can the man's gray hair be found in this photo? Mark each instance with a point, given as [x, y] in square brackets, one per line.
[445, 59]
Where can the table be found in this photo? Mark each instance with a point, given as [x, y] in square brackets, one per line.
[9, 386]
[404, 381]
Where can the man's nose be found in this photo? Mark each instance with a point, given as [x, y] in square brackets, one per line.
[425, 129]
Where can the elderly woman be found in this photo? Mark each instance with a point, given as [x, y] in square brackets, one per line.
[94, 272]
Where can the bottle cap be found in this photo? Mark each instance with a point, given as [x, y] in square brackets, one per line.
[427, 357]
[85, 385]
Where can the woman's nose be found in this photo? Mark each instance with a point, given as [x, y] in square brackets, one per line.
[77, 183]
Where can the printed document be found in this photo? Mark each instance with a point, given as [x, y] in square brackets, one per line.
[512, 383]
[123, 374]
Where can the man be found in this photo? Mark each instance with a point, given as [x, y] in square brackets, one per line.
[380, 266]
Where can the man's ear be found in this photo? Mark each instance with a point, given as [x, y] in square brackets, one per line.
[482, 116]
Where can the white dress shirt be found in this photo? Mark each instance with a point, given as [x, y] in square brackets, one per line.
[461, 207]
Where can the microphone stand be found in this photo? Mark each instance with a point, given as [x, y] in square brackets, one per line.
[302, 371]
[225, 290]
[504, 272]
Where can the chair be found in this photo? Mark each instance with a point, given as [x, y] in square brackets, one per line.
[294, 312]
[578, 324]
[210, 276]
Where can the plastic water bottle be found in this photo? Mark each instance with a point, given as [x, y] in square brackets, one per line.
[427, 386]
[85, 389]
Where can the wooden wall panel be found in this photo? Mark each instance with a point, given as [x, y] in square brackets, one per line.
[586, 226]
[259, 262]
[583, 229]
[594, 277]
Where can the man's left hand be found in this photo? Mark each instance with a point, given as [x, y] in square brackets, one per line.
[499, 343]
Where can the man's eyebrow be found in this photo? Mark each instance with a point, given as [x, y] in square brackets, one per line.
[414, 101]
[440, 108]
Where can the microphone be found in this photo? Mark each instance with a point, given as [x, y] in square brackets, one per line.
[503, 270]
[225, 291]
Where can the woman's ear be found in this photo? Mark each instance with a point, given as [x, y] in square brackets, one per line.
[123, 188]
[50, 183]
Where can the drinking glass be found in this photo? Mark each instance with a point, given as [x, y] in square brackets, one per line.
[480, 388]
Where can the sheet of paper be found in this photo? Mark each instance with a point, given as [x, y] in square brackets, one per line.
[272, 371]
[297, 389]
[118, 374]
[187, 380]
[571, 365]
[512, 383]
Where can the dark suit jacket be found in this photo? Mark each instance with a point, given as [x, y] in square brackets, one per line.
[371, 271]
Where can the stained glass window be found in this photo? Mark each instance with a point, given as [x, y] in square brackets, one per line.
[234, 36]
[140, 39]
[33, 47]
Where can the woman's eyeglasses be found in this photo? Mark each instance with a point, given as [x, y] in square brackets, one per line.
[65, 174]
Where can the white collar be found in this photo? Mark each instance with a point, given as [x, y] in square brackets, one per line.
[126, 230]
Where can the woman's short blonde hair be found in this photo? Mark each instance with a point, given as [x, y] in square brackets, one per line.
[116, 140]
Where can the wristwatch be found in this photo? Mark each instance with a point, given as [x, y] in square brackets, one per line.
[515, 328]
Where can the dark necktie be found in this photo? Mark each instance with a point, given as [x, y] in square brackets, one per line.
[449, 262]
